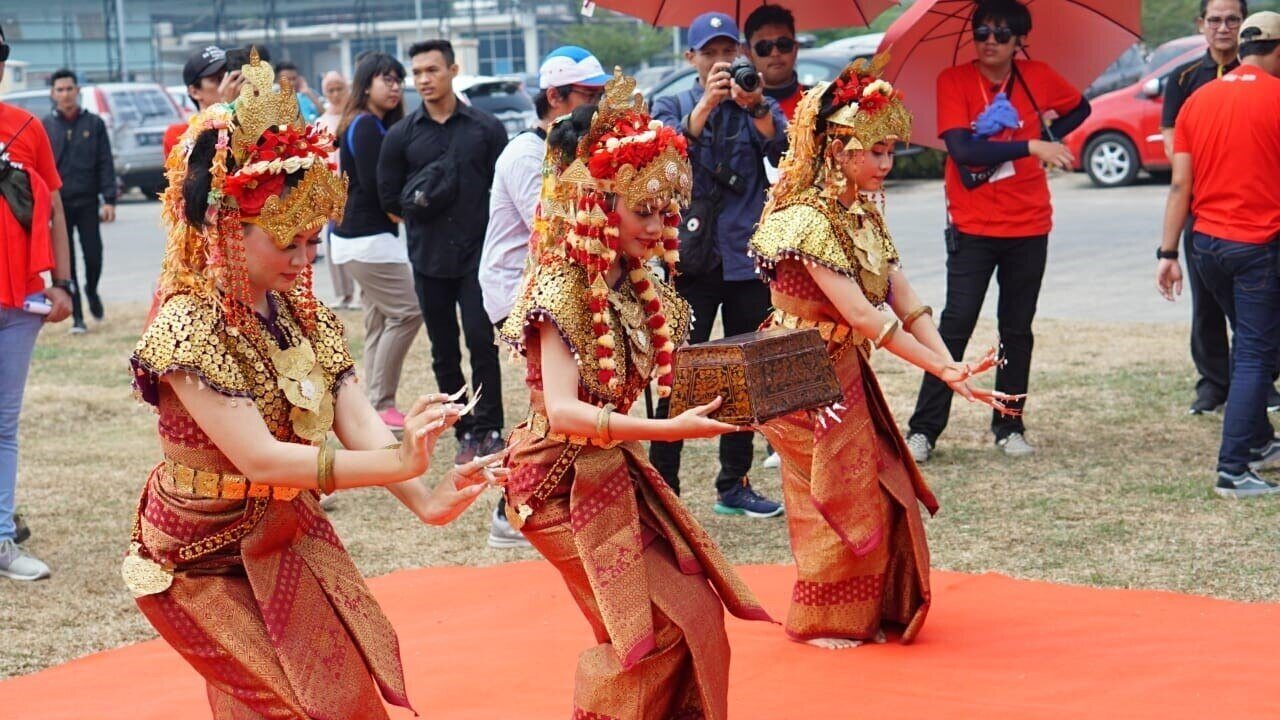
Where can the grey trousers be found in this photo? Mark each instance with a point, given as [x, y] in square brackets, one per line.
[391, 321]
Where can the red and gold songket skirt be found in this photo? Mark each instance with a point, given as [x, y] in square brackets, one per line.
[280, 624]
[650, 582]
[852, 495]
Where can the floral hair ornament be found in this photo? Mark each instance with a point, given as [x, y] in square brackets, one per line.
[628, 157]
[261, 141]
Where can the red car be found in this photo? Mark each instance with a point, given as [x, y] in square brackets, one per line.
[1122, 136]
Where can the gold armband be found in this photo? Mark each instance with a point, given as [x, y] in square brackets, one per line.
[602, 423]
[324, 469]
[392, 446]
[886, 332]
[914, 315]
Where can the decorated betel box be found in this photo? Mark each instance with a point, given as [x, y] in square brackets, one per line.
[761, 375]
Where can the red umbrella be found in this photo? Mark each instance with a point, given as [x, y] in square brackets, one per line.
[1079, 38]
[810, 14]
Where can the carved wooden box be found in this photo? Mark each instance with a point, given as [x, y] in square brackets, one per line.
[761, 375]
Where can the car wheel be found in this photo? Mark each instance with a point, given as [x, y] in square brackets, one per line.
[1111, 160]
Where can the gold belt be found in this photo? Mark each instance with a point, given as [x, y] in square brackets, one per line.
[539, 425]
[832, 332]
[224, 486]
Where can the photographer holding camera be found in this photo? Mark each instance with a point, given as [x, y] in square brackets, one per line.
[732, 127]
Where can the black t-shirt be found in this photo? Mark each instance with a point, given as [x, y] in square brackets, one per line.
[1186, 79]
[358, 149]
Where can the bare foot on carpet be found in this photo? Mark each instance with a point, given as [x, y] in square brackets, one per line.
[839, 643]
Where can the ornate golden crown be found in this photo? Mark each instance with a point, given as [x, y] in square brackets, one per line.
[261, 107]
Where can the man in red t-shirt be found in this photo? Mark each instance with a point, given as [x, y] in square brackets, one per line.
[1226, 161]
[33, 240]
[771, 45]
[999, 119]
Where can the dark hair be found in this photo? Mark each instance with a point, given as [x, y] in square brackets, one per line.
[542, 104]
[61, 73]
[565, 135]
[768, 15]
[1011, 12]
[285, 65]
[1250, 48]
[372, 65]
[1244, 8]
[444, 47]
[198, 181]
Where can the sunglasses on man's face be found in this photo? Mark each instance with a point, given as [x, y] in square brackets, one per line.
[984, 32]
[591, 93]
[764, 48]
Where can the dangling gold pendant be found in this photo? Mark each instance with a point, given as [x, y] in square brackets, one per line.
[144, 576]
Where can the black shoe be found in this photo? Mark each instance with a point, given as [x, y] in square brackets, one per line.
[1244, 485]
[1273, 400]
[491, 443]
[21, 533]
[467, 447]
[1206, 404]
[95, 305]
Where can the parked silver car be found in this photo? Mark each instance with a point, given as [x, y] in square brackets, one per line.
[136, 115]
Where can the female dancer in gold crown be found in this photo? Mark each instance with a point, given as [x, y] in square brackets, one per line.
[596, 327]
[233, 561]
[851, 489]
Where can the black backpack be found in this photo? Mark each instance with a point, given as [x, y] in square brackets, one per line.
[432, 189]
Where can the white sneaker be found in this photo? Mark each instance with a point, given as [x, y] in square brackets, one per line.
[502, 535]
[920, 447]
[18, 564]
[1015, 445]
[773, 461]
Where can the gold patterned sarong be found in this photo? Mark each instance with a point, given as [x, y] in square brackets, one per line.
[851, 489]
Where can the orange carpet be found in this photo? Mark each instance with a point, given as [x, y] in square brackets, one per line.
[500, 642]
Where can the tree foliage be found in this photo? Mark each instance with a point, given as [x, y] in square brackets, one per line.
[624, 43]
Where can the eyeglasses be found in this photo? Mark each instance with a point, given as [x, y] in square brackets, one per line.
[1231, 21]
[592, 94]
[983, 32]
[764, 48]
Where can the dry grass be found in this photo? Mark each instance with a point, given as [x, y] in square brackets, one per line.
[1117, 496]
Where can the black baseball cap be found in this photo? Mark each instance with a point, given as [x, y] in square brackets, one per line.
[209, 61]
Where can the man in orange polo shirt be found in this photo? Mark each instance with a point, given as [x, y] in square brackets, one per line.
[1225, 167]
[998, 118]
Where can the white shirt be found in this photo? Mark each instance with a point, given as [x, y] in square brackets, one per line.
[517, 183]
[380, 248]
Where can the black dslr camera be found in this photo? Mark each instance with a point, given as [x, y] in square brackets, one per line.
[744, 74]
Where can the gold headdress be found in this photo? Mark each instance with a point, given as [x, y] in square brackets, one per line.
[859, 108]
[625, 157]
[261, 141]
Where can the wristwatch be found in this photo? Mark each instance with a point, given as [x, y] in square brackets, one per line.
[760, 110]
[1162, 254]
[68, 285]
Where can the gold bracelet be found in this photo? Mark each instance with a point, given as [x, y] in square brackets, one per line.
[602, 423]
[886, 332]
[324, 470]
[915, 315]
[392, 446]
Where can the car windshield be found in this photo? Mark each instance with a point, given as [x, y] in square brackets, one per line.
[497, 98]
[142, 107]
[1164, 54]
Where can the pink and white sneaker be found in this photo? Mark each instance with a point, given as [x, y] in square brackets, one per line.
[392, 418]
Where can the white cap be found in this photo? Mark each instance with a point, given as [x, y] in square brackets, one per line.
[571, 65]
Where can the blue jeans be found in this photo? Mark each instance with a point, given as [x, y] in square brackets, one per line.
[1245, 280]
[18, 331]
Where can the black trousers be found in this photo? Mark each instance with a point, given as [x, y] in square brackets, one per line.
[441, 299]
[743, 305]
[1018, 264]
[83, 222]
[1210, 349]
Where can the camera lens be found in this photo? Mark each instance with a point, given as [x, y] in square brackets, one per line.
[745, 75]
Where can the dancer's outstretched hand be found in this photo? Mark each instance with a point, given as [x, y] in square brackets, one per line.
[695, 423]
[430, 416]
[462, 485]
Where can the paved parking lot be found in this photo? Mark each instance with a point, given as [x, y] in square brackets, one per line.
[1101, 253]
